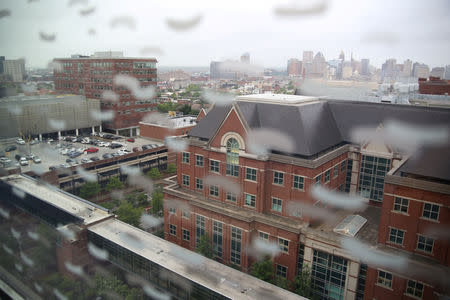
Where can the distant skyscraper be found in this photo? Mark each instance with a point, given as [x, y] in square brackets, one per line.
[388, 70]
[342, 55]
[420, 70]
[438, 72]
[307, 62]
[308, 56]
[319, 65]
[407, 67]
[245, 58]
[15, 69]
[294, 67]
[365, 67]
[347, 70]
[447, 72]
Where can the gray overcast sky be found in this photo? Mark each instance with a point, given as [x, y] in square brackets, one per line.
[379, 29]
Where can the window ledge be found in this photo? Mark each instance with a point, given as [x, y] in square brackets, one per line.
[430, 220]
[412, 296]
[399, 212]
[277, 184]
[299, 190]
[383, 286]
[249, 180]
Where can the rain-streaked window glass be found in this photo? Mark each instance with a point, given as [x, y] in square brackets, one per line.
[250, 174]
[425, 244]
[172, 210]
[299, 182]
[231, 197]
[396, 236]
[264, 236]
[414, 288]
[430, 211]
[318, 179]
[232, 157]
[371, 177]
[199, 160]
[186, 214]
[335, 171]
[328, 275]
[327, 176]
[384, 279]
[278, 177]
[401, 205]
[343, 166]
[199, 228]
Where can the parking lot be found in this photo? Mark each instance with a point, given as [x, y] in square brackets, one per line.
[50, 153]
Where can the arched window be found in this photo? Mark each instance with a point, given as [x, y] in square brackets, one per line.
[232, 157]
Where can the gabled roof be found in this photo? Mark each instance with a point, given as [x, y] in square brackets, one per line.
[319, 125]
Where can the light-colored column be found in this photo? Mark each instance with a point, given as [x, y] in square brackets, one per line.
[93, 129]
[101, 129]
[352, 280]
[76, 131]
[138, 131]
[131, 131]
[117, 131]
[40, 137]
[59, 134]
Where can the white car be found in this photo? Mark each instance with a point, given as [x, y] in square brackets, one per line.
[20, 141]
[123, 151]
[64, 151]
[23, 161]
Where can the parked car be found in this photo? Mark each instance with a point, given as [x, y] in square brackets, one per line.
[36, 160]
[95, 158]
[115, 145]
[85, 141]
[49, 141]
[107, 136]
[68, 138]
[23, 161]
[123, 151]
[107, 155]
[10, 148]
[74, 154]
[17, 157]
[33, 142]
[146, 147]
[69, 161]
[20, 141]
[131, 140]
[115, 137]
[85, 160]
[51, 168]
[136, 149]
[29, 156]
[94, 134]
[91, 150]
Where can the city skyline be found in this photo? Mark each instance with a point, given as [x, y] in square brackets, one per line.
[218, 31]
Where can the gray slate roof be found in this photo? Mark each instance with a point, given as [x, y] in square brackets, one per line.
[319, 125]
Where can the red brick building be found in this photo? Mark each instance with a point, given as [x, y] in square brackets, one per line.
[273, 185]
[92, 75]
[434, 86]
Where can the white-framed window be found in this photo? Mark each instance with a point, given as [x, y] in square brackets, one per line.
[401, 205]
[336, 171]
[236, 243]
[186, 235]
[396, 236]
[277, 204]
[384, 279]
[172, 210]
[198, 184]
[214, 166]
[199, 160]
[298, 182]
[185, 180]
[214, 190]
[327, 176]
[172, 229]
[263, 236]
[425, 243]
[185, 157]
[250, 174]
[430, 211]
[250, 200]
[186, 214]
[318, 179]
[284, 245]
[231, 197]
[343, 165]
[414, 288]
[278, 177]
[281, 271]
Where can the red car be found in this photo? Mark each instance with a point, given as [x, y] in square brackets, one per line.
[136, 149]
[131, 140]
[91, 150]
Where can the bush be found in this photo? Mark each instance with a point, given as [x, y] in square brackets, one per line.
[154, 174]
[171, 169]
[89, 189]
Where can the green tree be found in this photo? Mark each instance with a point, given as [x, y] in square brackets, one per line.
[89, 189]
[129, 214]
[186, 109]
[301, 284]
[204, 246]
[167, 106]
[263, 269]
[171, 168]
[154, 173]
[114, 183]
[157, 202]
[137, 199]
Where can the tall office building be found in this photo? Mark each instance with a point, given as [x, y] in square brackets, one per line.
[407, 68]
[388, 70]
[15, 69]
[447, 72]
[319, 66]
[269, 197]
[307, 62]
[438, 72]
[365, 64]
[420, 70]
[93, 75]
[342, 55]
[245, 58]
[294, 67]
